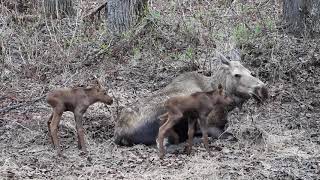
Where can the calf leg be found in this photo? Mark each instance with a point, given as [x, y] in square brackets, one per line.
[163, 118]
[80, 132]
[174, 135]
[54, 129]
[190, 134]
[49, 131]
[172, 119]
[204, 128]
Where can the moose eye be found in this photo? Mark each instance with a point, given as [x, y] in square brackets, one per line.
[237, 75]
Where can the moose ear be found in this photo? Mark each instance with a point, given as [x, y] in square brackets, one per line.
[235, 55]
[223, 59]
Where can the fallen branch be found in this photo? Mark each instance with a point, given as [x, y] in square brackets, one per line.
[9, 108]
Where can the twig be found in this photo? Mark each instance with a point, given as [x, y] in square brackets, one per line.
[9, 108]
[19, 124]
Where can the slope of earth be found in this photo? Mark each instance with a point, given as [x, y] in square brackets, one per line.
[278, 140]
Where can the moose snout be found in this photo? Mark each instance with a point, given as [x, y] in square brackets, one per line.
[261, 92]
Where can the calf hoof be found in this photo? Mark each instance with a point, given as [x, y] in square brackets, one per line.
[79, 146]
[188, 151]
[59, 154]
[83, 153]
[161, 156]
[53, 146]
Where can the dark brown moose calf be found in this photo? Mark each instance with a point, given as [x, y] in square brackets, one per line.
[76, 100]
[199, 105]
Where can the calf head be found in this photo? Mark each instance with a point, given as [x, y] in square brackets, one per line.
[241, 83]
[100, 93]
[223, 99]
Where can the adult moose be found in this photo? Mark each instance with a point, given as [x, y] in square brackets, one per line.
[140, 124]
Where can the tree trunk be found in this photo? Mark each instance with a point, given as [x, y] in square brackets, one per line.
[123, 14]
[302, 16]
[58, 8]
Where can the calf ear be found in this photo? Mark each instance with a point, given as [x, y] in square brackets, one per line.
[97, 84]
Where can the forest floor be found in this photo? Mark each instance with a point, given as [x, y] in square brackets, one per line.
[278, 140]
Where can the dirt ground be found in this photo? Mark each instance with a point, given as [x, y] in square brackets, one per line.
[278, 140]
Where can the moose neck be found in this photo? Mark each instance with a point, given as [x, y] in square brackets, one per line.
[91, 98]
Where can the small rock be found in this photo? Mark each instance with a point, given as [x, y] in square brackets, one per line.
[226, 151]
[179, 162]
